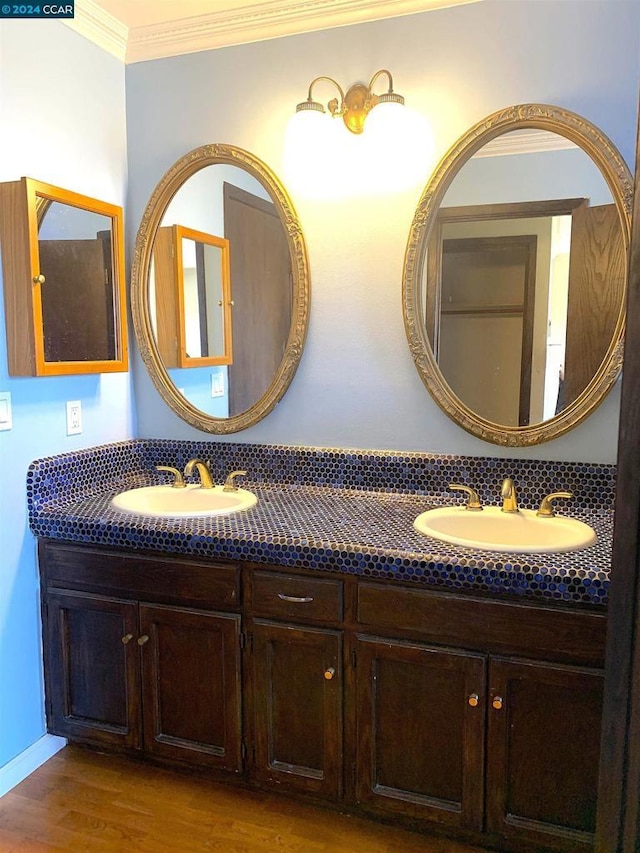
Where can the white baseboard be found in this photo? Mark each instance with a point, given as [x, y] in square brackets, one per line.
[22, 765]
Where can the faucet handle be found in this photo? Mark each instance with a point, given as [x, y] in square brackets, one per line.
[473, 499]
[230, 484]
[178, 479]
[546, 509]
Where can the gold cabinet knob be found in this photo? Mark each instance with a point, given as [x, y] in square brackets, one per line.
[39, 279]
[127, 638]
[143, 639]
[497, 702]
[473, 700]
[329, 673]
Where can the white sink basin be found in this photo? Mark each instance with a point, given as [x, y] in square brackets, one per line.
[494, 530]
[192, 501]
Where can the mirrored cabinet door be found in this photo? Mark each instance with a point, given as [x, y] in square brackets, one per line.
[63, 279]
[193, 297]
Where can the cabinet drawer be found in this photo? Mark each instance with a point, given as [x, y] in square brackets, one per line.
[475, 623]
[158, 579]
[295, 598]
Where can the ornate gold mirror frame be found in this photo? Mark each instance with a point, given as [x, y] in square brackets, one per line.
[616, 174]
[171, 182]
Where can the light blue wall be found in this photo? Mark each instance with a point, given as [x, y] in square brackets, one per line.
[357, 385]
[62, 120]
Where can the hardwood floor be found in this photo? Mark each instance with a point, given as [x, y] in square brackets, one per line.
[86, 801]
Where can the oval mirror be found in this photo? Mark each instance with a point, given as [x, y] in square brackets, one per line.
[220, 289]
[514, 284]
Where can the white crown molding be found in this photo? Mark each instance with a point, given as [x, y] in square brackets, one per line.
[263, 21]
[270, 19]
[525, 142]
[97, 25]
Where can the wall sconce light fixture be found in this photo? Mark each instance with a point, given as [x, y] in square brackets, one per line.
[358, 102]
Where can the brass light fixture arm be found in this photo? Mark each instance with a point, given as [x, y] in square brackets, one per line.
[335, 107]
[356, 104]
[375, 77]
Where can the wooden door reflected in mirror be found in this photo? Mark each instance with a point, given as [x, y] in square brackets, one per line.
[544, 283]
[263, 294]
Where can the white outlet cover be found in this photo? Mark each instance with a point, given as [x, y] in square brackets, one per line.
[217, 385]
[6, 420]
[74, 417]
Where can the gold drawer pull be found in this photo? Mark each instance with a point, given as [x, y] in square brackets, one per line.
[295, 599]
[473, 700]
[329, 673]
[497, 703]
[126, 638]
[143, 639]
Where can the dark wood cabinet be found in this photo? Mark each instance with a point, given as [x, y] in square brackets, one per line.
[295, 627]
[92, 673]
[191, 685]
[543, 748]
[472, 715]
[420, 731]
[520, 759]
[137, 674]
[421, 741]
[297, 682]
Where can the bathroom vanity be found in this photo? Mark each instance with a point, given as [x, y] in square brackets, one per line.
[365, 667]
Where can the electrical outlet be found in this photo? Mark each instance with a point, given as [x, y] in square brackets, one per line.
[74, 417]
[217, 385]
[5, 410]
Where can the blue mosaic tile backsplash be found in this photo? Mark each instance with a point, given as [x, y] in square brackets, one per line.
[329, 509]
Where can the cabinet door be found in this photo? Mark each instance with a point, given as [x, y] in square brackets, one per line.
[91, 669]
[420, 731]
[191, 685]
[298, 707]
[543, 748]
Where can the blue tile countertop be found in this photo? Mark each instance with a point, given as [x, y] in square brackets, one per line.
[332, 510]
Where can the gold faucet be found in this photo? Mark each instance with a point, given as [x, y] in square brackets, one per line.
[508, 494]
[473, 500]
[203, 469]
[178, 481]
[546, 508]
[230, 484]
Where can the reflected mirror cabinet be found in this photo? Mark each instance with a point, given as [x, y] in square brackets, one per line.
[63, 281]
[192, 297]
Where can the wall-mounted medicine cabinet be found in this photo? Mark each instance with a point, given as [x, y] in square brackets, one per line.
[63, 278]
[192, 289]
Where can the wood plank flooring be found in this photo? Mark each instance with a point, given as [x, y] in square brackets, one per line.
[86, 802]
